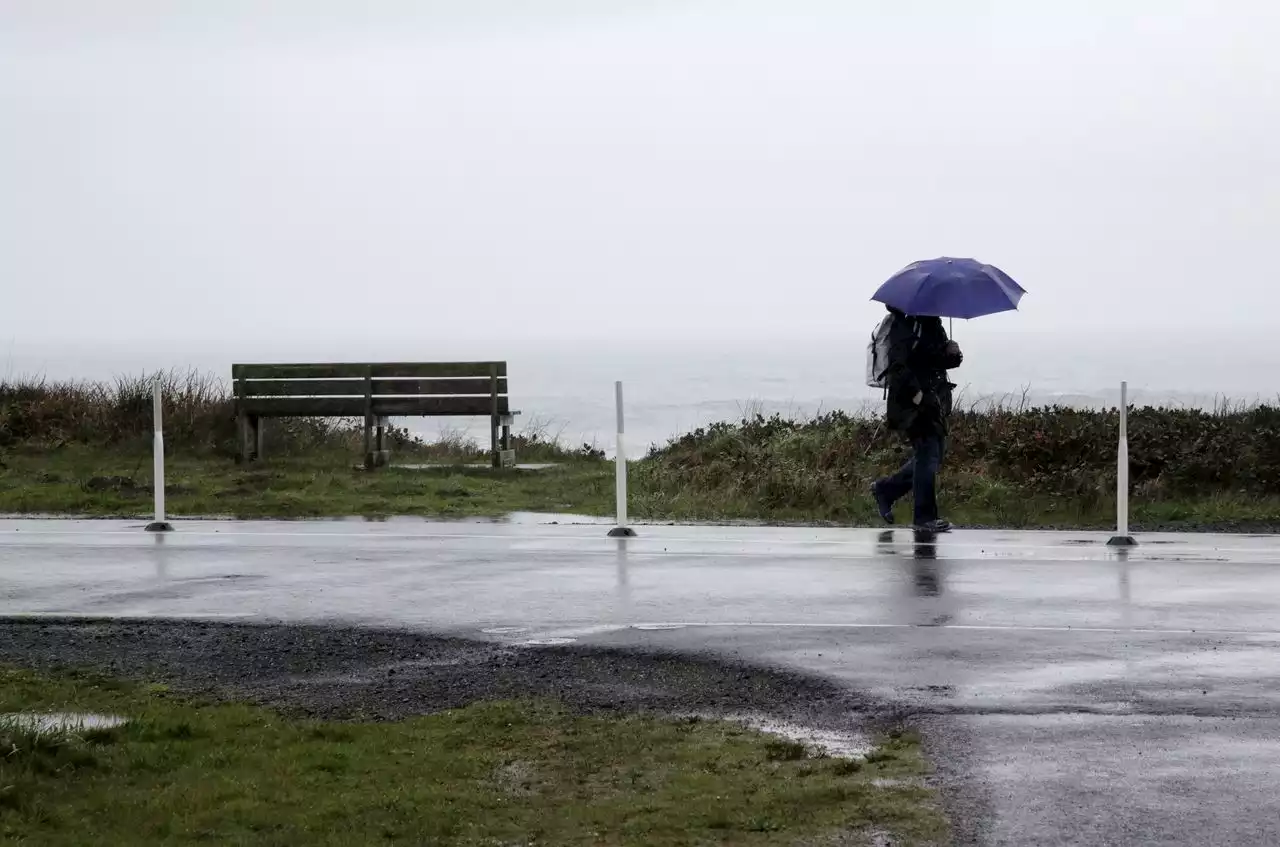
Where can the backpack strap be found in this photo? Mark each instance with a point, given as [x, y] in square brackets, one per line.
[916, 330]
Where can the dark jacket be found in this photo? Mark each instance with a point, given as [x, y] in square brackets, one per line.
[918, 364]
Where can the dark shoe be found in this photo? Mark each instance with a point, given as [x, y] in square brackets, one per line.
[933, 527]
[883, 504]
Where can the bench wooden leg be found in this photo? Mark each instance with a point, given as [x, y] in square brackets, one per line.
[259, 432]
[382, 456]
[369, 457]
[242, 430]
[493, 441]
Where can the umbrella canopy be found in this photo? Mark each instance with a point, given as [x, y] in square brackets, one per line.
[950, 288]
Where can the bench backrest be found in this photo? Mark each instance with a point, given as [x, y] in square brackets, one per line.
[380, 389]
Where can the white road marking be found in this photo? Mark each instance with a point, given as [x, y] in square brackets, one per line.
[1106, 630]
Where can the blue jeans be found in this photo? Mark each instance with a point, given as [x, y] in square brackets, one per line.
[919, 476]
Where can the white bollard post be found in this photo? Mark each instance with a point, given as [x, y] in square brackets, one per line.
[621, 530]
[1122, 538]
[159, 524]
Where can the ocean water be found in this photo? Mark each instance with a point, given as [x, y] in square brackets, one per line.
[567, 390]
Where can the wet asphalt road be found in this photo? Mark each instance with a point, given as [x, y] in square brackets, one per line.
[1068, 696]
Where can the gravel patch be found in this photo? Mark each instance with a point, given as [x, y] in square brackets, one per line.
[345, 673]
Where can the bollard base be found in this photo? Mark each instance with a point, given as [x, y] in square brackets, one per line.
[622, 532]
[159, 526]
[1122, 541]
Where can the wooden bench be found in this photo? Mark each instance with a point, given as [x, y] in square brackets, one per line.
[375, 392]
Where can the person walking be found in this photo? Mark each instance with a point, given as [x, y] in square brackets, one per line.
[918, 403]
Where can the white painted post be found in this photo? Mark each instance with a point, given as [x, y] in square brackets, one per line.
[1122, 538]
[621, 530]
[1122, 465]
[159, 524]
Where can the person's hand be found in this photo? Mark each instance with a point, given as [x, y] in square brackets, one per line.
[953, 349]
[918, 398]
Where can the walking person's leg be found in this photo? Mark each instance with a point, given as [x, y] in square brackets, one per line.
[892, 488]
[927, 460]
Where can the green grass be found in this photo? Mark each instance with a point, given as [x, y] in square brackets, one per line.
[328, 484]
[488, 774]
[1006, 466]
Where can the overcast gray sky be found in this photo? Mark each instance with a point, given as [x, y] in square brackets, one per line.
[486, 170]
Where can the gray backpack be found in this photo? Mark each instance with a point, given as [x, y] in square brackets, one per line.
[878, 352]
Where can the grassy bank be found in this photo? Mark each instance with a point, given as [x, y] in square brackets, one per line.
[84, 449]
[495, 773]
[1043, 467]
[81, 480]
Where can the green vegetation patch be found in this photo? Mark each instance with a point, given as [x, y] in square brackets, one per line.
[84, 448]
[492, 773]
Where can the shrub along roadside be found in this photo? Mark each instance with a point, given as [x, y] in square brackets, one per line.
[1031, 467]
[1054, 450]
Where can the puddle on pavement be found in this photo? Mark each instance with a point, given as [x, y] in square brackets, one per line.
[520, 518]
[60, 721]
[519, 636]
[1084, 542]
[840, 745]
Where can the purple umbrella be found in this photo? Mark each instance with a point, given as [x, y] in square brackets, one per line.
[950, 288]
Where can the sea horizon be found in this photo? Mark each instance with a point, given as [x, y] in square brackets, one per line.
[565, 390]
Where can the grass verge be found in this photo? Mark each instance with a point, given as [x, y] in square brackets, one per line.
[82, 447]
[85, 480]
[494, 773]
[106, 482]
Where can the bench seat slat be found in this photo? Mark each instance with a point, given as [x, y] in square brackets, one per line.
[299, 407]
[355, 387]
[356, 370]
